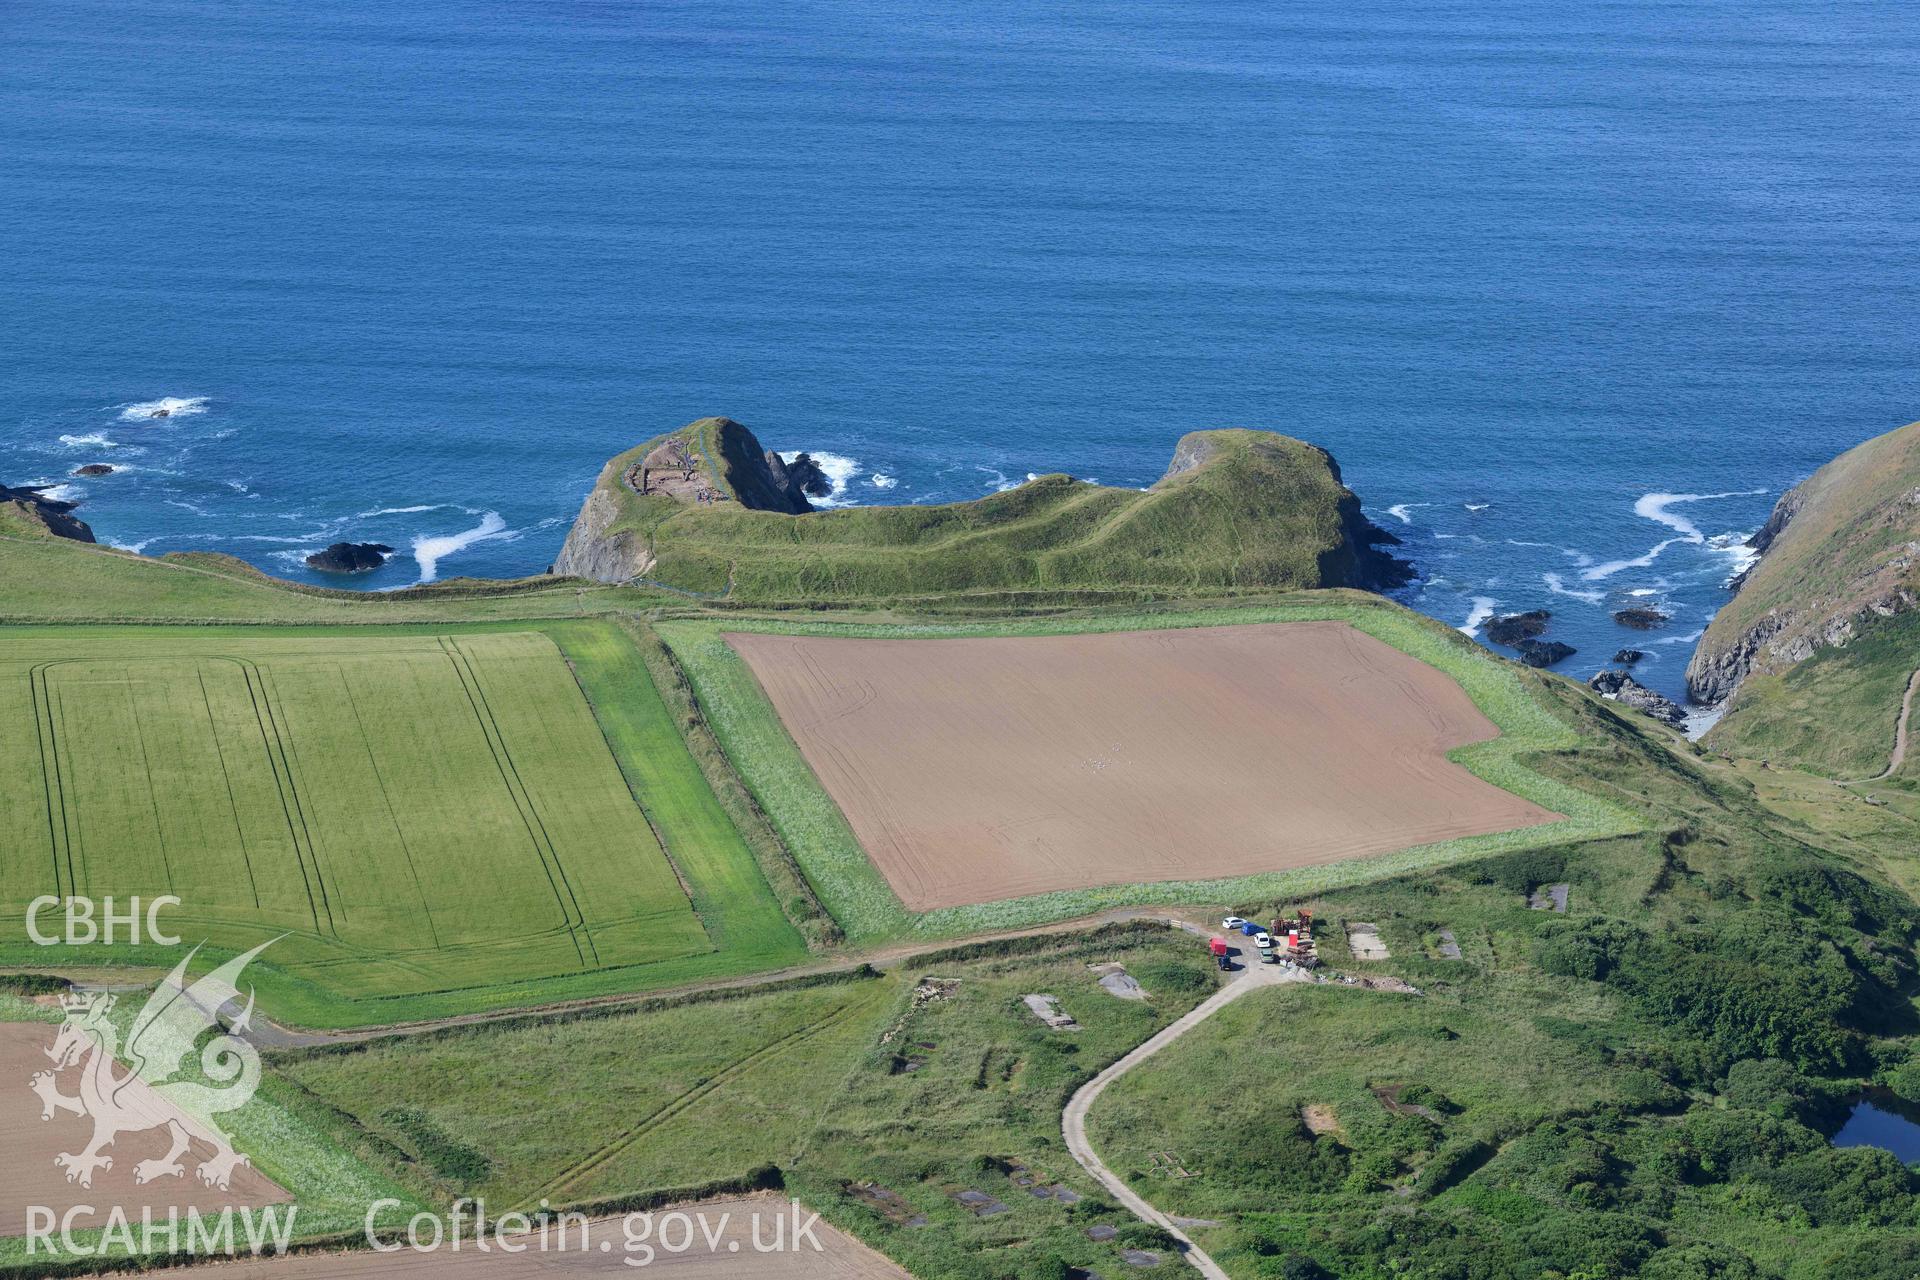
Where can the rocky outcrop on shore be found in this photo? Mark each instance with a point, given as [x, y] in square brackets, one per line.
[805, 472]
[1512, 629]
[1544, 653]
[1618, 686]
[49, 515]
[92, 469]
[350, 557]
[1641, 618]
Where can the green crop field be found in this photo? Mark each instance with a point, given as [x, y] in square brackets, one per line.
[421, 814]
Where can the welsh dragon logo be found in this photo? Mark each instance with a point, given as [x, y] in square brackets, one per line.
[153, 1094]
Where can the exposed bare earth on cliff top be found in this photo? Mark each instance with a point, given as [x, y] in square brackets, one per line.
[29, 1177]
[980, 769]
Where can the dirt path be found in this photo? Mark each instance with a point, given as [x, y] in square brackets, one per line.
[1899, 756]
[1073, 1122]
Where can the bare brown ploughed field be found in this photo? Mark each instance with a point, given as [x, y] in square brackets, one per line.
[28, 1144]
[978, 769]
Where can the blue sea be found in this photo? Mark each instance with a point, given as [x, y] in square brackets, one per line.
[1571, 291]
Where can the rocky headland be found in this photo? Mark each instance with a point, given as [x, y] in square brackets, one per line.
[1839, 551]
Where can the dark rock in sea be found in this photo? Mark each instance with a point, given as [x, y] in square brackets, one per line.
[1618, 686]
[350, 557]
[1627, 657]
[1544, 653]
[52, 514]
[93, 469]
[1641, 618]
[1513, 628]
[806, 473]
[161, 413]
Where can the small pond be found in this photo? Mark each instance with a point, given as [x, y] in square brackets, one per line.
[1883, 1121]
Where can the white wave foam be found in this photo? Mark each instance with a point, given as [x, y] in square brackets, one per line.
[165, 406]
[54, 492]
[398, 511]
[1558, 586]
[1476, 506]
[92, 440]
[838, 470]
[1644, 591]
[1658, 507]
[881, 480]
[1611, 567]
[194, 507]
[1403, 512]
[999, 483]
[1481, 611]
[1740, 556]
[135, 547]
[429, 552]
[1689, 638]
[1655, 506]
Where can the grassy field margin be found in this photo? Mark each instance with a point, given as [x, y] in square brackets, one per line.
[816, 832]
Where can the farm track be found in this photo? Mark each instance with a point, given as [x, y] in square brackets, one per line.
[1073, 1121]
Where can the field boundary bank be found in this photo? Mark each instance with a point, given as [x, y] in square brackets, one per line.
[766, 758]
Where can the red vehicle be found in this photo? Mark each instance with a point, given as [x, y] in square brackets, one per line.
[1218, 946]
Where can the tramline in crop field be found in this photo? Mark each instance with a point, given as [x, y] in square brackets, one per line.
[417, 812]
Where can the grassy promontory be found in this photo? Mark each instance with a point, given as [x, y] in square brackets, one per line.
[1239, 510]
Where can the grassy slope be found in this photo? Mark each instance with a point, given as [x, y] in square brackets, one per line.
[45, 579]
[1835, 713]
[1264, 513]
[1839, 534]
[1826, 713]
[745, 929]
[596, 1108]
[859, 897]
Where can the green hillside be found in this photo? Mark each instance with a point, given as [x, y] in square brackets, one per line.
[1815, 642]
[1242, 510]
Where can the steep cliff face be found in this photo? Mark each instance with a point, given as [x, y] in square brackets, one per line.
[595, 549]
[1840, 550]
[708, 464]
